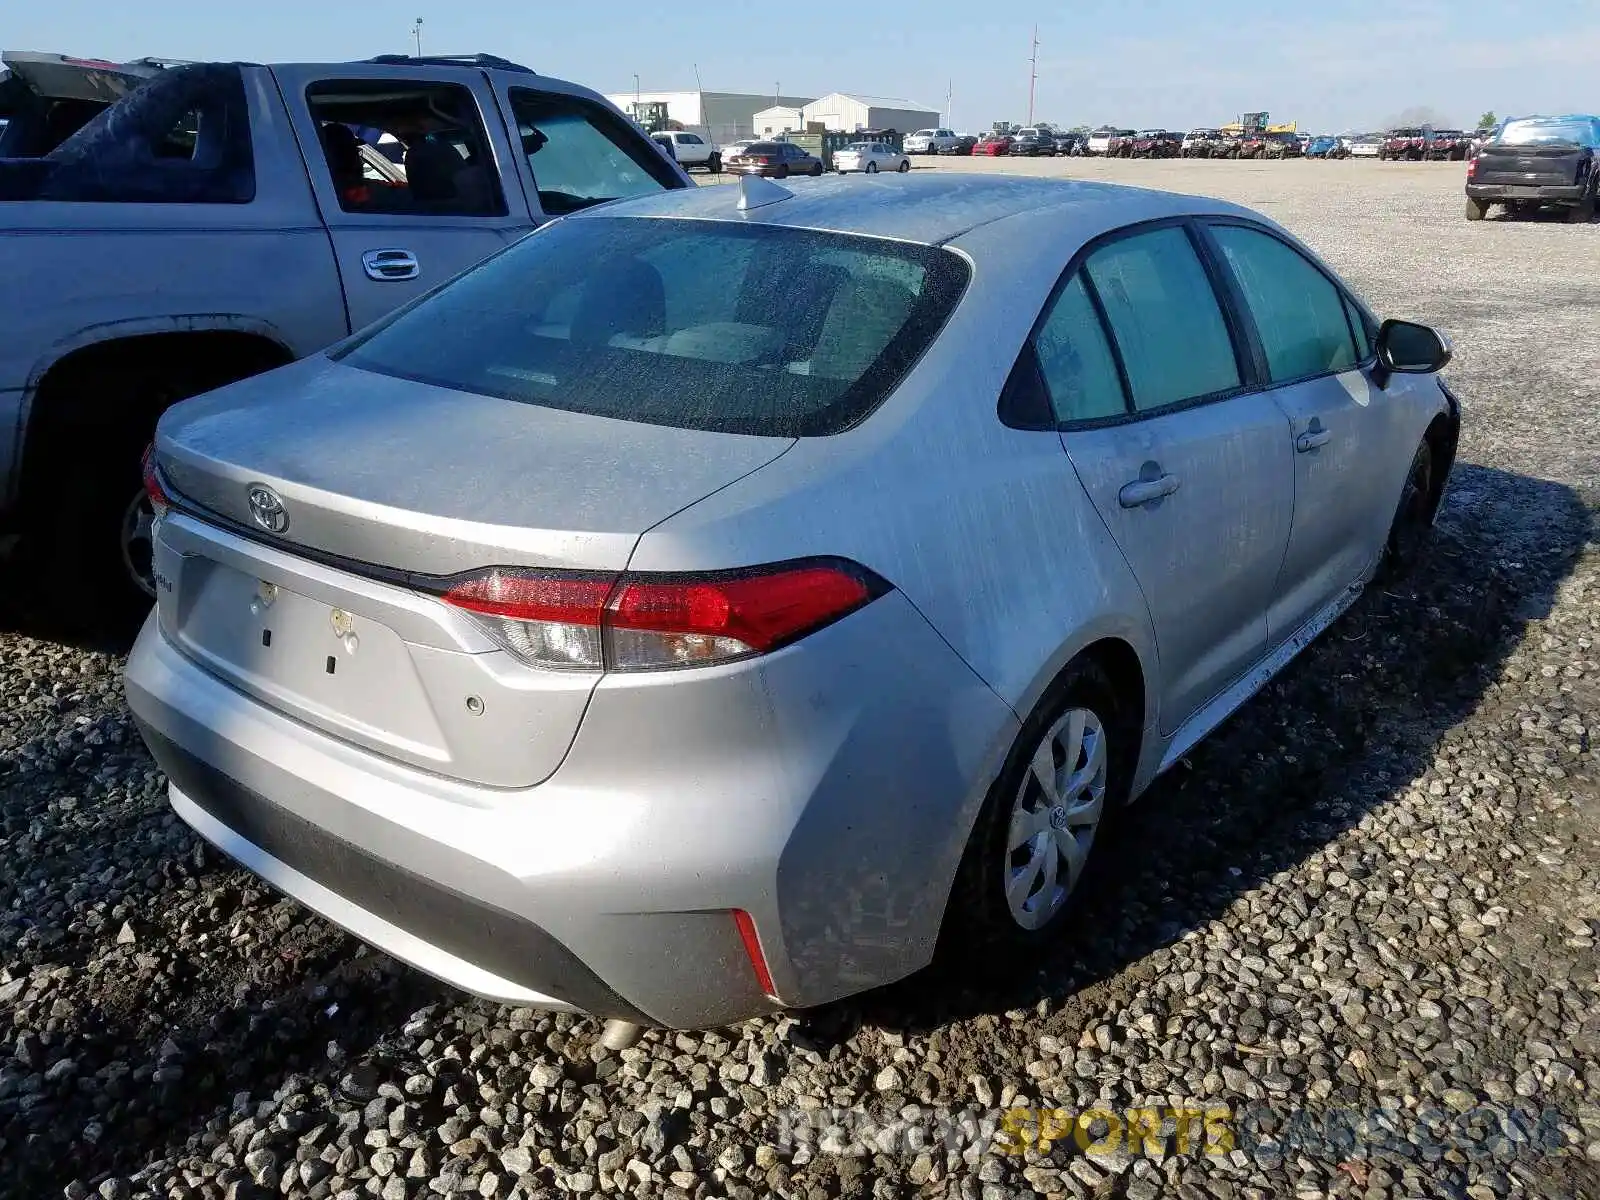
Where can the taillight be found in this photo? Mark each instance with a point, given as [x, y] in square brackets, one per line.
[655, 622]
[159, 500]
[1472, 167]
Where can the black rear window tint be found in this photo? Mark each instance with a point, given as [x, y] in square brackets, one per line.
[748, 329]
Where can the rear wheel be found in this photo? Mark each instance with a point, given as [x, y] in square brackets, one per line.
[1582, 212]
[1029, 849]
[714, 164]
[1476, 209]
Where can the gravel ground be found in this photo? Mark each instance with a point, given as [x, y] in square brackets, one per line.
[1357, 929]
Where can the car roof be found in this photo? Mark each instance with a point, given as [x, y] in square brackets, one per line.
[931, 208]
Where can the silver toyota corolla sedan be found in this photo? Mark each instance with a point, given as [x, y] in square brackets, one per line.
[716, 602]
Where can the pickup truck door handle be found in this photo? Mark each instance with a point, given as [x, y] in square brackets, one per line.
[1147, 491]
[1311, 439]
[390, 266]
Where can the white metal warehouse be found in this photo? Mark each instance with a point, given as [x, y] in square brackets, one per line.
[849, 112]
[718, 116]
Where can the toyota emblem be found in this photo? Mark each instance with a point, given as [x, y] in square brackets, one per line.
[267, 510]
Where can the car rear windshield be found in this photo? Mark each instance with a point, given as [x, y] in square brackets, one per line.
[1534, 133]
[752, 329]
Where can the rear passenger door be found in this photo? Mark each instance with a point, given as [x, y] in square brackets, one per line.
[1189, 469]
[1351, 440]
[394, 243]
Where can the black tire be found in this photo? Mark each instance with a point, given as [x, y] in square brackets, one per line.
[872, 168]
[1582, 212]
[714, 165]
[816, 169]
[1412, 527]
[978, 918]
[783, 172]
[905, 165]
[1476, 209]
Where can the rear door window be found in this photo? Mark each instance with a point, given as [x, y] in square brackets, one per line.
[445, 165]
[757, 329]
[581, 153]
[1164, 317]
[1075, 359]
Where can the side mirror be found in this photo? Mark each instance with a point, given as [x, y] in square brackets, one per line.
[1407, 348]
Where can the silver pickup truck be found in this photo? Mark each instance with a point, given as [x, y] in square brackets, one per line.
[219, 220]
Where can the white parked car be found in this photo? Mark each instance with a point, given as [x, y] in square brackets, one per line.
[692, 150]
[869, 158]
[931, 141]
[1367, 145]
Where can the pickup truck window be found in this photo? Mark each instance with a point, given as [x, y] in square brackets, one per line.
[446, 168]
[582, 154]
[183, 137]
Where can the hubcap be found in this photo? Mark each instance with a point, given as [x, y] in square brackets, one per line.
[138, 547]
[1054, 816]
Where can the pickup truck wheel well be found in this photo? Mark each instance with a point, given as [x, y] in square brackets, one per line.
[118, 389]
[91, 415]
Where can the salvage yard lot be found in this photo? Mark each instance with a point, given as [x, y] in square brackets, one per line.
[1377, 888]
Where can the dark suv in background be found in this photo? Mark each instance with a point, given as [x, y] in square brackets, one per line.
[1535, 161]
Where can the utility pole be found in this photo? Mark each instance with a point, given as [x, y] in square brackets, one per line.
[638, 106]
[949, 90]
[416, 32]
[1033, 72]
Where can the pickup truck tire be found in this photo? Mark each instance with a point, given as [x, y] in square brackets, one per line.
[1582, 212]
[714, 164]
[1476, 209]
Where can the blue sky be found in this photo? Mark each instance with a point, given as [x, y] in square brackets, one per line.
[1346, 64]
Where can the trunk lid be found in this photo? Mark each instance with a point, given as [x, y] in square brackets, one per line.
[1551, 164]
[432, 480]
[411, 479]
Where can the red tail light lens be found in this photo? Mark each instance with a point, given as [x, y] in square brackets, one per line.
[1472, 167]
[644, 623]
[158, 497]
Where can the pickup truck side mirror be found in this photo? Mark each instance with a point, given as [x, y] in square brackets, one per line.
[1408, 348]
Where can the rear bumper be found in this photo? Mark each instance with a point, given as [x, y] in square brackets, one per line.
[1570, 192]
[826, 790]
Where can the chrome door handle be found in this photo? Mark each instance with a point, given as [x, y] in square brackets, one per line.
[390, 266]
[1147, 491]
[1311, 439]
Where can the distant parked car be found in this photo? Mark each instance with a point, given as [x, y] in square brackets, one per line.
[692, 150]
[1448, 145]
[1252, 145]
[1121, 145]
[1364, 145]
[1099, 142]
[1156, 143]
[1200, 143]
[606, 631]
[1534, 161]
[1281, 145]
[930, 141]
[1325, 147]
[775, 160]
[1074, 144]
[1033, 142]
[962, 146]
[991, 145]
[1408, 143]
[869, 158]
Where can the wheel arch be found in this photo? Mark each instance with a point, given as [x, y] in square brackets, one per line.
[201, 353]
